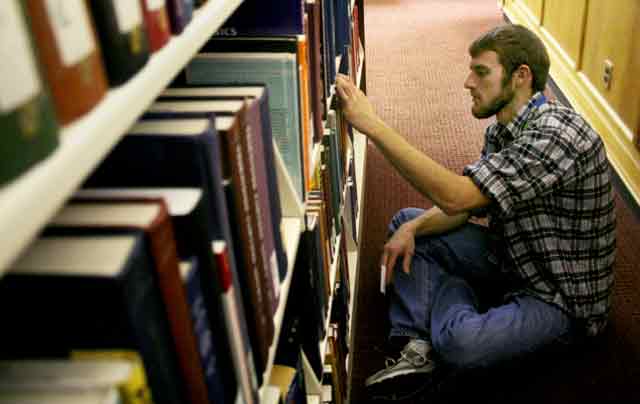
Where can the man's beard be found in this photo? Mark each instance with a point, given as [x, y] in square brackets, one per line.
[504, 98]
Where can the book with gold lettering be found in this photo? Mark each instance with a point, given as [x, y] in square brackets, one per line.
[27, 119]
[123, 37]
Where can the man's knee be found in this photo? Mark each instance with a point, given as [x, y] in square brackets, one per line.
[457, 345]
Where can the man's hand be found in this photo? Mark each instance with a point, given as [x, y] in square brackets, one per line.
[402, 243]
[356, 107]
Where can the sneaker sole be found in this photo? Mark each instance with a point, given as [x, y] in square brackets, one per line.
[405, 390]
[369, 383]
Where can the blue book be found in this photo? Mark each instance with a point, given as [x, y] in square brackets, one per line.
[180, 14]
[91, 292]
[342, 25]
[330, 52]
[247, 174]
[254, 17]
[179, 153]
[189, 216]
[259, 289]
[258, 117]
[279, 71]
[189, 273]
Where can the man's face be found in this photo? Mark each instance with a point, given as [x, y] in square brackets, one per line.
[487, 86]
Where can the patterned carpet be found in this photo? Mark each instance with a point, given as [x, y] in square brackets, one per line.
[416, 64]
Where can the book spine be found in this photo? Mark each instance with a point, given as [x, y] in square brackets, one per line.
[123, 38]
[148, 319]
[266, 201]
[157, 23]
[180, 14]
[242, 354]
[204, 335]
[260, 307]
[259, 220]
[315, 68]
[306, 119]
[27, 118]
[272, 181]
[69, 53]
[175, 302]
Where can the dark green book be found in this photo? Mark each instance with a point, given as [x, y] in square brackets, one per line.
[27, 119]
[123, 38]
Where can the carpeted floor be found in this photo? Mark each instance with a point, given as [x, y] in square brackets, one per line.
[416, 64]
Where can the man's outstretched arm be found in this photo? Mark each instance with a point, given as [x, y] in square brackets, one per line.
[452, 193]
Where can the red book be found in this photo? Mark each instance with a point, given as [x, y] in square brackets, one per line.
[157, 22]
[69, 54]
[152, 217]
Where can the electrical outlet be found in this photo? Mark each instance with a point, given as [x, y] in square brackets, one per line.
[607, 76]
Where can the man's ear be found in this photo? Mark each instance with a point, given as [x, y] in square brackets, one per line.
[523, 75]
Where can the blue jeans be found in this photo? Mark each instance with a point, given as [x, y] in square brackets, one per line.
[449, 297]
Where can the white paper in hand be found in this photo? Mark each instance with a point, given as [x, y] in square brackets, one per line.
[383, 279]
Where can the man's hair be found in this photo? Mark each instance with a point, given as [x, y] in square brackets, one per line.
[516, 46]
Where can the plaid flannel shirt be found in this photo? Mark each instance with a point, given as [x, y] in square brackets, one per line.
[548, 177]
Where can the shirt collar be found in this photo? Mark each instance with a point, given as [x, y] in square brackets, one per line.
[512, 129]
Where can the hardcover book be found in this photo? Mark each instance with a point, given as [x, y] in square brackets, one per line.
[180, 14]
[27, 118]
[152, 218]
[260, 145]
[281, 17]
[208, 349]
[69, 55]
[318, 101]
[175, 153]
[279, 71]
[238, 334]
[240, 153]
[90, 292]
[157, 23]
[127, 377]
[189, 217]
[99, 395]
[123, 38]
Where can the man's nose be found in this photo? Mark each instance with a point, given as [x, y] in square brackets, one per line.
[469, 83]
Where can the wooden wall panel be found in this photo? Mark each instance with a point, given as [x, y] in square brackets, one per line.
[612, 33]
[564, 20]
[535, 8]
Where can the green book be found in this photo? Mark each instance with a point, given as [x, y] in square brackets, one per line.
[27, 119]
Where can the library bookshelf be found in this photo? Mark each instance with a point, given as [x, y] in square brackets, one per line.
[31, 200]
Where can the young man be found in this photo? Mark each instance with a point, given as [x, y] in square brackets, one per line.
[472, 296]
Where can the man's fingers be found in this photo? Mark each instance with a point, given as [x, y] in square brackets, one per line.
[406, 262]
[341, 91]
[391, 263]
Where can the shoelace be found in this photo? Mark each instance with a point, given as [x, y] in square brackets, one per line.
[389, 362]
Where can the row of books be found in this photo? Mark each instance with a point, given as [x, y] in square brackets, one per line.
[194, 179]
[313, 344]
[297, 61]
[152, 267]
[59, 58]
[174, 246]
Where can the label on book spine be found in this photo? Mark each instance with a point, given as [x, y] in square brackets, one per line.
[155, 5]
[71, 29]
[19, 80]
[128, 14]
